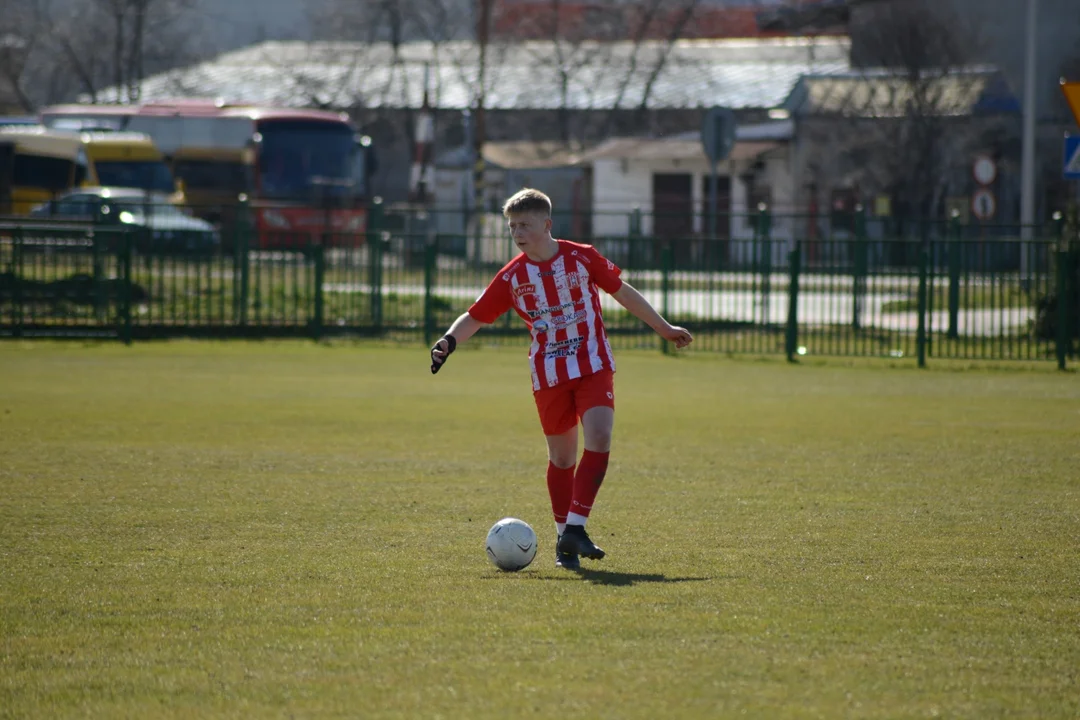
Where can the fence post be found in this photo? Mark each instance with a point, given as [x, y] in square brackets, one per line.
[764, 229]
[16, 273]
[860, 261]
[920, 333]
[430, 258]
[791, 337]
[666, 262]
[954, 275]
[241, 258]
[319, 255]
[127, 240]
[98, 254]
[634, 251]
[374, 242]
[1064, 329]
[927, 246]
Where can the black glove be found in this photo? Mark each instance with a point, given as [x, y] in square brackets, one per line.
[451, 345]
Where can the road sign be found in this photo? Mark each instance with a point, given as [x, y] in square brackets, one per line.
[984, 169]
[1071, 162]
[718, 133]
[718, 138]
[1072, 96]
[983, 204]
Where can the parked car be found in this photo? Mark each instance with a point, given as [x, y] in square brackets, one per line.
[172, 229]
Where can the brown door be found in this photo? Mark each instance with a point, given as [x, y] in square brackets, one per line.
[723, 205]
[673, 205]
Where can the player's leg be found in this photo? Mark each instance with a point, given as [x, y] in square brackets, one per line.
[595, 402]
[562, 458]
[562, 452]
[558, 417]
[597, 424]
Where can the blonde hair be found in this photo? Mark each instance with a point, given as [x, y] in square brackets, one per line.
[527, 200]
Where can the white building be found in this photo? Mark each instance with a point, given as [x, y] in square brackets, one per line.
[660, 187]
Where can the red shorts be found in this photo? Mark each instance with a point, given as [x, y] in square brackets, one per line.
[561, 406]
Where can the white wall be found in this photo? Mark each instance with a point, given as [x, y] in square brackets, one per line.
[618, 187]
[621, 185]
[780, 175]
[777, 174]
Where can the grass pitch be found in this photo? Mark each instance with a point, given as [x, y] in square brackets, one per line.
[286, 530]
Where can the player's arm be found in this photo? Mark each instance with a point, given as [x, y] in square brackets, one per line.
[639, 307]
[461, 330]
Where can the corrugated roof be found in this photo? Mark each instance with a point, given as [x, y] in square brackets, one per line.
[884, 93]
[668, 149]
[748, 73]
[513, 155]
[752, 140]
[526, 155]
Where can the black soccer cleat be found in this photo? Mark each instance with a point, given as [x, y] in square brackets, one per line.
[566, 561]
[575, 541]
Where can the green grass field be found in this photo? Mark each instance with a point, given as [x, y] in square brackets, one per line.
[290, 530]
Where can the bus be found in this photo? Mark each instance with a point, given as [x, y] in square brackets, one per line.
[43, 162]
[303, 172]
[128, 160]
[36, 165]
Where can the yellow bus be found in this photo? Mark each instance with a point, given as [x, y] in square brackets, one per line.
[127, 160]
[37, 164]
[212, 154]
[213, 179]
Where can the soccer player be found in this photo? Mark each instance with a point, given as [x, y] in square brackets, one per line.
[553, 285]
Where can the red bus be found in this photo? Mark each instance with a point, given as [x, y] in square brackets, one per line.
[304, 172]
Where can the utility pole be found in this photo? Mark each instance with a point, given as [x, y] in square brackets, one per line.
[421, 185]
[479, 121]
[1027, 160]
[477, 132]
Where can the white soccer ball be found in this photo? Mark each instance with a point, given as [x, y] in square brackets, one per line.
[511, 544]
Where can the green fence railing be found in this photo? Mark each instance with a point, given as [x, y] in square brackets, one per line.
[951, 294]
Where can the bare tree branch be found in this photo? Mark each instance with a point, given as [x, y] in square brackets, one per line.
[673, 36]
[896, 117]
[77, 65]
[82, 46]
[640, 34]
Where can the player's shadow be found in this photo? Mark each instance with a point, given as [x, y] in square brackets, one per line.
[606, 577]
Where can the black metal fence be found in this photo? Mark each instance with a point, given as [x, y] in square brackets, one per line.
[946, 292]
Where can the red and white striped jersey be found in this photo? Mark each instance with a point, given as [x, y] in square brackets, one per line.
[559, 301]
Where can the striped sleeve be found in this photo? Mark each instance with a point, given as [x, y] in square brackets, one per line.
[604, 273]
[494, 301]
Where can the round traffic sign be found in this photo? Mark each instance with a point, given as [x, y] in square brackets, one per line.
[983, 204]
[984, 169]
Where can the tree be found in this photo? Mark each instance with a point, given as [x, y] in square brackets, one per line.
[81, 47]
[394, 21]
[587, 50]
[22, 29]
[370, 50]
[359, 62]
[910, 103]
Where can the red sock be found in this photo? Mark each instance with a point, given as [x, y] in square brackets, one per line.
[560, 482]
[587, 481]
